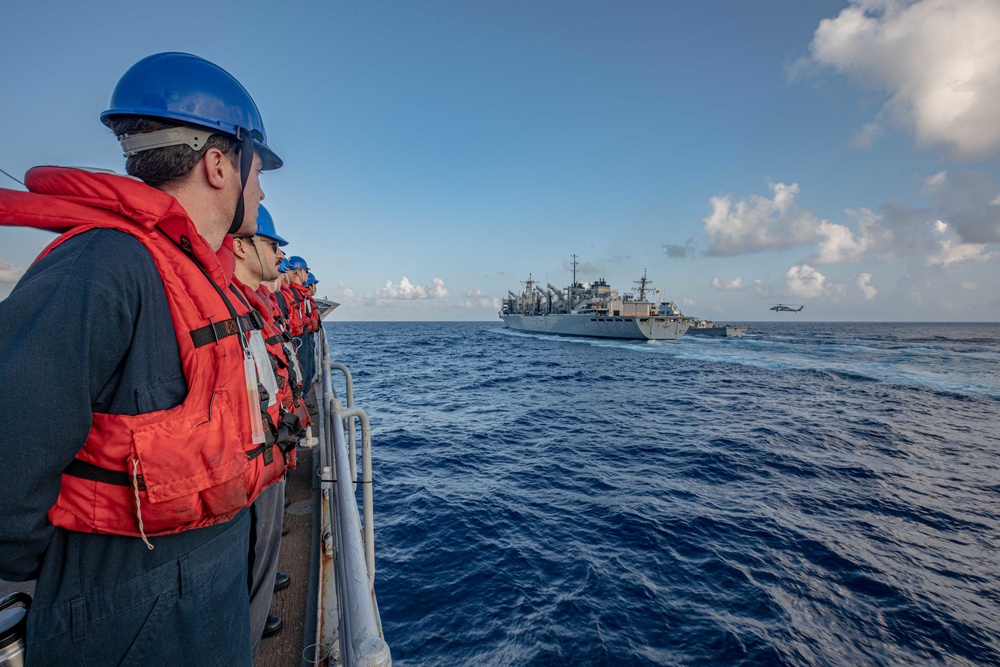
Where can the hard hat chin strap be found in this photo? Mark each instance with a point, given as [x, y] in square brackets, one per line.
[246, 162]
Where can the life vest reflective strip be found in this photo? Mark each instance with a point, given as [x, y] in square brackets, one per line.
[251, 300]
[189, 466]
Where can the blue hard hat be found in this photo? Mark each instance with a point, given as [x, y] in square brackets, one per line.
[311, 280]
[295, 263]
[190, 90]
[265, 226]
[283, 266]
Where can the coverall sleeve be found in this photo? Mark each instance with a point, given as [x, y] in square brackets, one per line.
[64, 332]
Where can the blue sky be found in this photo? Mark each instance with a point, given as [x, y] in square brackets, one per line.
[838, 155]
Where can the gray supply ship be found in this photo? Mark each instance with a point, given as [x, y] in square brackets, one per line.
[594, 310]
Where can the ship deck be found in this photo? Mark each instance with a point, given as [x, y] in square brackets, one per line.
[289, 646]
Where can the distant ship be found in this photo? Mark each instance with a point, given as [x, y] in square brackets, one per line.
[594, 310]
[711, 329]
[325, 306]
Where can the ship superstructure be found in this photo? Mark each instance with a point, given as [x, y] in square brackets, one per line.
[592, 309]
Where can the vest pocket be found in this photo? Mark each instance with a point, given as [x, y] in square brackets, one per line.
[192, 467]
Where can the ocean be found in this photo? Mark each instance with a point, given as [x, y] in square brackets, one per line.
[808, 494]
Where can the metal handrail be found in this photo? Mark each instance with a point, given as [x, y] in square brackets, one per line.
[361, 642]
[351, 437]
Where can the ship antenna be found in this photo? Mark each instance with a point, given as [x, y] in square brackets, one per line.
[643, 283]
[572, 285]
[11, 177]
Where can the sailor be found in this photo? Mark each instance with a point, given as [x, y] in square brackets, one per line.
[306, 308]
[256, 261]
[126, 489]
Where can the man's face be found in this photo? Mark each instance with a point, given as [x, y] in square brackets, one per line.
[269, 260]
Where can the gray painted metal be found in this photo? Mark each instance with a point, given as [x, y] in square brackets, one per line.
[595, 326]
[352, 637]
[364, 643]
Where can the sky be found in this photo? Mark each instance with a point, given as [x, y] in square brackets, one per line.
[840, 155]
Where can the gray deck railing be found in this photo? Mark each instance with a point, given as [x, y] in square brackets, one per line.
[347, 582]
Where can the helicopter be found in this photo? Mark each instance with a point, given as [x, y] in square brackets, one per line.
[782, 308]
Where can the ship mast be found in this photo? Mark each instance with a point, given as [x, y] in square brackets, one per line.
[643, 283]
[529, 294]
[572, 285]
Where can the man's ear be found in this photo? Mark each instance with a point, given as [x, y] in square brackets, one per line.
[214, 163]
[240, 248]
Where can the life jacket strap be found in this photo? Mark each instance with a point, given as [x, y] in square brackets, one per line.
[216, 331]
[94, 473]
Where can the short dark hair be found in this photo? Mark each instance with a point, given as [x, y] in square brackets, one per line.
[162, 166]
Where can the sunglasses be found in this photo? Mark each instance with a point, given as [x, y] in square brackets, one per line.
[270, 242]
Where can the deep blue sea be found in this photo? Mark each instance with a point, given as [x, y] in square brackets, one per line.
[809, 494]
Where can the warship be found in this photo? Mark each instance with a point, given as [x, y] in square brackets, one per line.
[593, 310]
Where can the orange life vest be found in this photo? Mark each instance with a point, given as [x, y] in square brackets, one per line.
[189, 466]
[294, 310]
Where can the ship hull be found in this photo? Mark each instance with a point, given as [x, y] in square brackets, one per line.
[630, 328]
[725, 331]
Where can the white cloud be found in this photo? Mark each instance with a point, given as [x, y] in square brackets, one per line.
[688, 302]
[839, 244]
[9, 273]
[807, 282]
[937, 60]
[474, 293]
[484, 302]
[969, 285]
[407, 291]
[951, 250]
[865, 285]
[734, 284]
[757, 223]
[760, 288]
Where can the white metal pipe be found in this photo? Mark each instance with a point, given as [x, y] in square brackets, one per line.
[351, 437]
[366, 481]
[367, 645]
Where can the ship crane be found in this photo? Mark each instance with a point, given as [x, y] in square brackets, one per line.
[547, 296]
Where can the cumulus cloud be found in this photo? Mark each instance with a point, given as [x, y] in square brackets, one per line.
[969, 285]
[757, 223]
[951, 250]
[965, 202]
[937, 60]
[734, 284]
[805, 281]
[760, 289]
[408, 291]
[838, 243]
[868, 291]
[9, 273]
[475, 293]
